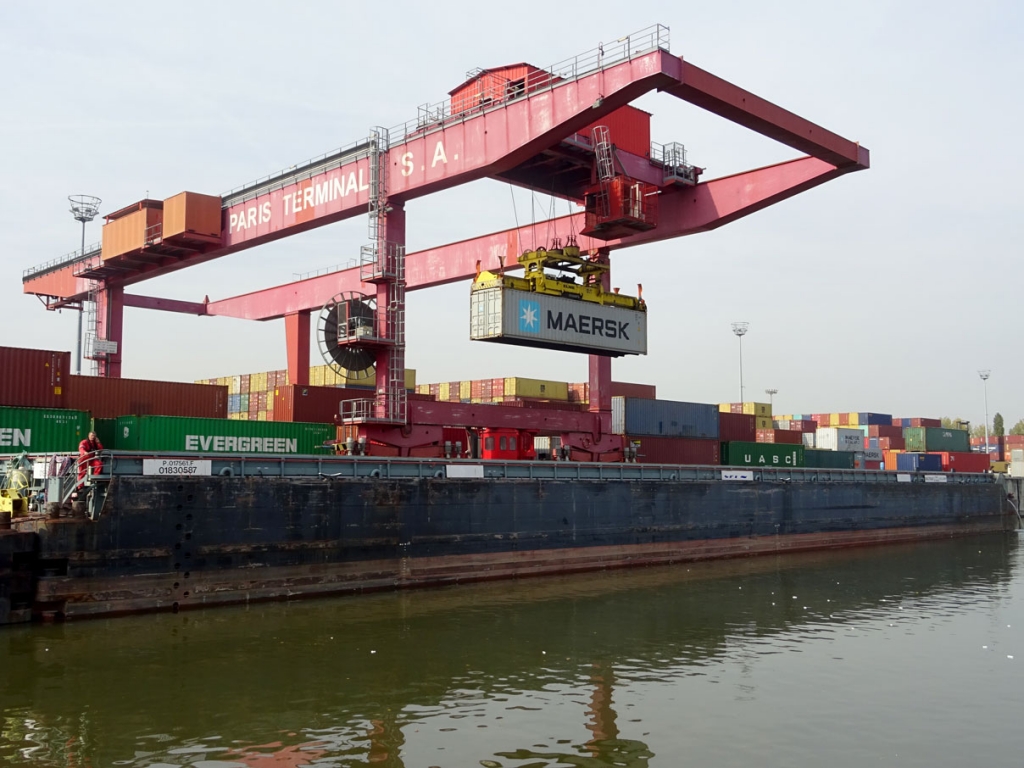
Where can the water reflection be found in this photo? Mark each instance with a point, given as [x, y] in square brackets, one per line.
[531, 673]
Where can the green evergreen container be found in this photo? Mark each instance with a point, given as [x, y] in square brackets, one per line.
[936, 439]
[174, 433]
[828, 459]
[42, 430]
[738, 454]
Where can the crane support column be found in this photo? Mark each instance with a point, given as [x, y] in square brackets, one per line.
[296, 331]
[601, 365]
[109, 331]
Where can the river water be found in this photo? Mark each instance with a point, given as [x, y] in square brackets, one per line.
[907, 655]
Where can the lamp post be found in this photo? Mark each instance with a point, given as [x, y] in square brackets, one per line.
[984, 379]
[740, 329]
[84, 208]
[771, 392]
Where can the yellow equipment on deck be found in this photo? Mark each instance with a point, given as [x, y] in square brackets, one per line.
[16, 486]
[577, 277]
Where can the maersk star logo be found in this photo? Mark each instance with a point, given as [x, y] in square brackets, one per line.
[529, 316]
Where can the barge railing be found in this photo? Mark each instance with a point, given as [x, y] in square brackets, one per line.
[183, 464]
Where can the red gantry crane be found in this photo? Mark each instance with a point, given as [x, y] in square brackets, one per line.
[566, 130]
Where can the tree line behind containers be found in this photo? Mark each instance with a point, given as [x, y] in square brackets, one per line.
[256, 396]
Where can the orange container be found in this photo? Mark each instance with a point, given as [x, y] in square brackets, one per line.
[127, 230]
[191, 216]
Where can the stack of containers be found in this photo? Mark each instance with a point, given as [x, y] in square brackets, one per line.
[996, 448]
[761, 411]
[33, 418]
[668, 431]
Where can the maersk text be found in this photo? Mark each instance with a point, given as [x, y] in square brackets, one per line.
[587, 325]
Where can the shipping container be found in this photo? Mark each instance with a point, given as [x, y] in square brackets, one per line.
[516, 386]
[819, 459]
[33, 378]
[580, 393]
[553, 322]
[628, 389]
[762, 455]
[736, 427]
[763, 422]
[1014, 441]
[465, 390]
[839, 439]
[107, 398]
[234, 403]
[803, 425]
[890, 459]
[192, 218]
[676, 450]
[873, 454]
[956, 461]
[781, 436]
[922, 422]
[669, 418]
[809, 439]
[892, 443]
[42, 430]
[883, 430]
[874, 419]
[311, 404]
[751, 409]
[918, 462]
[129, 229]
[170, 433]
[934, 439]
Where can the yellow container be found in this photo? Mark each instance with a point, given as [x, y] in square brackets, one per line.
[833, 420]
[763, 422]
[853, 419]
[725, 407]
[422, 389]
[516, 386]
[758, 409]
[235, 385]
[465, 390]
[445, 391]
[261, 416]
[316, 375]
[1001, 467]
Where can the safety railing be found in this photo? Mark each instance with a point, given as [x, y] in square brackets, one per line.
[131, 463]
[431, 116]
[61, 261]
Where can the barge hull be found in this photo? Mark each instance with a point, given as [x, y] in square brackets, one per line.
[180, 544]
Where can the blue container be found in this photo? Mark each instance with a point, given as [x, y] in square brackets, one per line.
[918, 462]
[234, 403]
[872, 442]
[883, 419]
[635, 416]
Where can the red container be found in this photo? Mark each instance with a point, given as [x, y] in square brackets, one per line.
[923, 422]
[677, 450]
[737, 427]
[497, 388]
[803, 426]
[892, 443]
[735, 407]
[874, 465]
[453, 391]
[642, 391]
[1013, 441]
[243, 386]
[897, 423]
[844, 419]
[784, 436]
[435, 390]
[109, 398]
[486, 389]
[966, 462]
[310, 404]
[884, 430]
[33, 378]
[580, 393]
[476, 388]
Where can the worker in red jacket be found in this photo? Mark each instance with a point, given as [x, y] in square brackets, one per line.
[87, 457]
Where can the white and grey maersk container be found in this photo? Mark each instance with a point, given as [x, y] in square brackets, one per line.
[839, 439]
[537, 320]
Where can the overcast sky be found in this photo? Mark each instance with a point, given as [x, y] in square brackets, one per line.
[884, 290]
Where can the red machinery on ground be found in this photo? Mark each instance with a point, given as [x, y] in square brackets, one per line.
[567, 129]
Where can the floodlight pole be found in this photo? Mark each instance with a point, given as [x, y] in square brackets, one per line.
[984, 380]
[740, 329]
[771, 392]
[84, 208]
